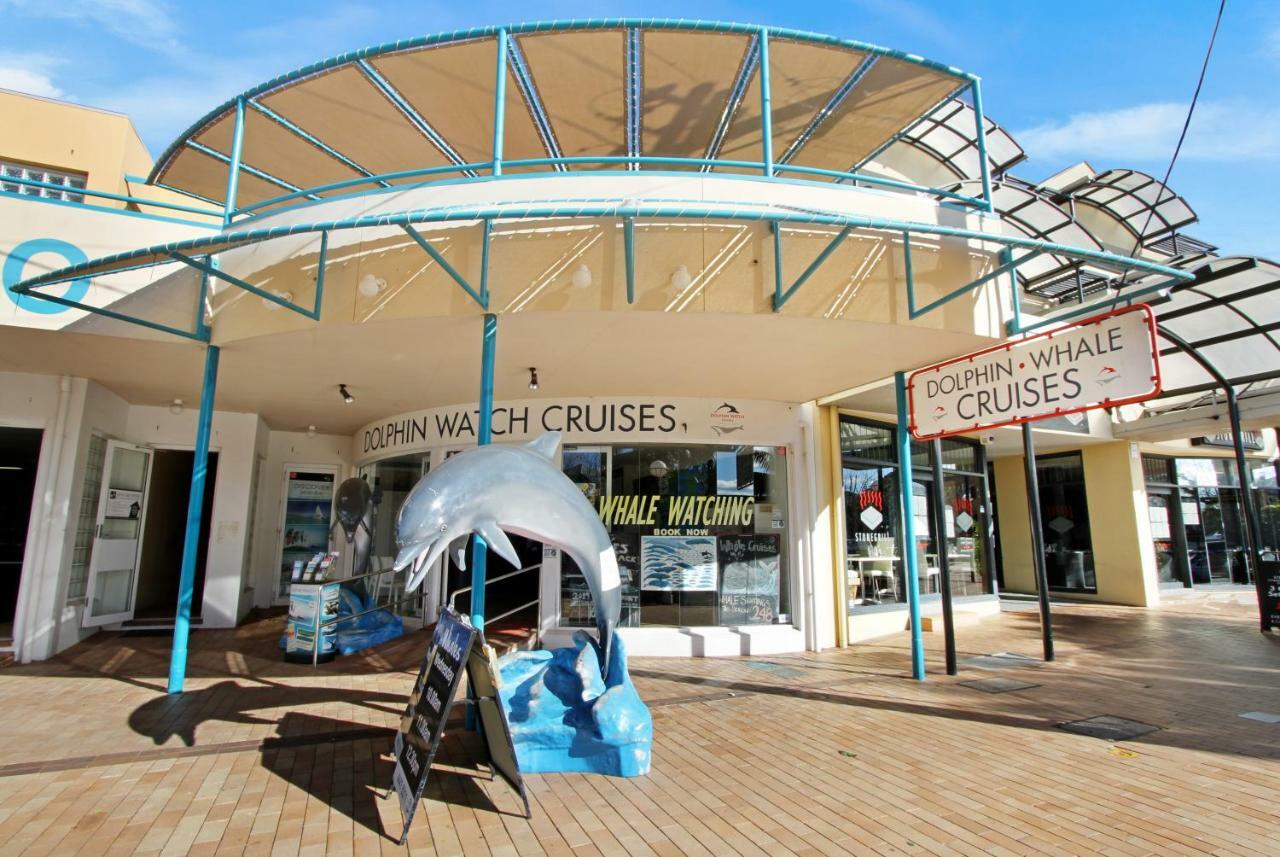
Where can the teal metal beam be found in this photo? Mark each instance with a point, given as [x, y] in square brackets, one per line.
[481, 299]
[191, 538]
[407, 110]
[233, 166]
[118, 316]
[832, 246]
[484, 261]
[777, 265]
[910, 552]
[213, 271]
[251, 170]
[302, 133]
[102, 194]
[479, 550]
[629, 255]
[766, 104]
[1007, 267]
[1015, 293]
[983, 163]
[500, 103]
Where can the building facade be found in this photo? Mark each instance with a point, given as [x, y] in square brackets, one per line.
[715, 346]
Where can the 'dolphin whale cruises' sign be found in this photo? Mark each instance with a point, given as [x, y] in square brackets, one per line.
[1103, 361]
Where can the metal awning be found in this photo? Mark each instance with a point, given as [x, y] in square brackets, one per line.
[1230, 315]
[1147, 209]
[574, 95]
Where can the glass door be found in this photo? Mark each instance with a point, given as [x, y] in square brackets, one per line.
[122, 509]
[1161, 512]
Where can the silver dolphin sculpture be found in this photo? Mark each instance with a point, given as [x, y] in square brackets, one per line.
[495, 490]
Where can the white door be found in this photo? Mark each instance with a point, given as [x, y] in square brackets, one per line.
[122, 512]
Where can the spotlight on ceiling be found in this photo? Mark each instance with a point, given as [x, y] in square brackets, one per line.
[311, 431]
[581, 277]
[680, 278]
[175, 407]
[371, 286]
[346, 396]
[533, 378]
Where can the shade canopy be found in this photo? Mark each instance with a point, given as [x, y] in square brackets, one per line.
[584, 90]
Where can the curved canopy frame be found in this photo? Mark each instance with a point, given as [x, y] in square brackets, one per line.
[1147, 209]
[566, 95]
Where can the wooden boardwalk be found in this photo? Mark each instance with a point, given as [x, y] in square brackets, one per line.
[832, 753]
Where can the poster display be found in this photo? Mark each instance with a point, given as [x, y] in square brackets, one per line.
[308, 514]
[678, 563]
[751, 567]
[311, 605]
[1104, 361]
[122, 503]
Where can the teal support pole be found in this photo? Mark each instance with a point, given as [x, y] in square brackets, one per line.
[500, 103]
[629, 255]
[766, 104]
[983, 163]
[233, 168]
[1015, 296]
[910, 553]
[191, 541]
[485, 435]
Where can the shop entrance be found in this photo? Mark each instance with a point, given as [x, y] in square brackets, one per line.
[160, 560]
[1168, 536]
[19, 458]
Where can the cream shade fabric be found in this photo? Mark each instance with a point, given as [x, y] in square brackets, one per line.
[570, 93]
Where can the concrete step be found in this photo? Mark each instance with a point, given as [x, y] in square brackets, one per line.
[960, 619]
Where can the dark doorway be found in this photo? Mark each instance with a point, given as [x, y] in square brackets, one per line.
[19, 458]
[161, 556]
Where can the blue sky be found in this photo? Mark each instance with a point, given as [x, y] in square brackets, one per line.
[1106, 82]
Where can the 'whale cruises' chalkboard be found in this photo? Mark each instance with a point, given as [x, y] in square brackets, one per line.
[750, 573]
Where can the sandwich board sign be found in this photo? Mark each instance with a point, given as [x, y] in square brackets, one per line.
[1103, 361]
[455, 646]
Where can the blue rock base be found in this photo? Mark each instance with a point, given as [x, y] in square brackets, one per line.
[567, 718]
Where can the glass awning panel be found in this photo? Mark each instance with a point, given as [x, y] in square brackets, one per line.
[949, 134]
[1147, 209]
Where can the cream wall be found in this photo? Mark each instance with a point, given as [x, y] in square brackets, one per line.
[1115, 492]
[282, 450]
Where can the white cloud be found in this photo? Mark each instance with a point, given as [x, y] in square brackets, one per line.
[144, 22]
[31, 73]
[1220, 131]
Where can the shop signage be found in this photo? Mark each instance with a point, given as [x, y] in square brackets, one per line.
[640, 420]
[1248, 439]
[455, 645]
[654, 510]
[1103, 361]
[752, 569]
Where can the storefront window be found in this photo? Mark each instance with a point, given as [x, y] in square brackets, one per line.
[699, 532]
[873, 550]
[1064, 520]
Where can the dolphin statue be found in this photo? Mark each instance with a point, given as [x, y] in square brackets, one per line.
[495, 490]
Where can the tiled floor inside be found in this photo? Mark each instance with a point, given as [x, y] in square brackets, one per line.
[832, 753]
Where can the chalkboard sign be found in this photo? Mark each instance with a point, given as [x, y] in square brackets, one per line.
[750, 572]
[422, 725]
[626, 549]
[1269, 584]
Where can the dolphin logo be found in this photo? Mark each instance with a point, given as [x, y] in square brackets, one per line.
[495, 490]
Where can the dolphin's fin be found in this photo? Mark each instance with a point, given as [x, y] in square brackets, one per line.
[546, 444]
[495, 538]
[459, 550]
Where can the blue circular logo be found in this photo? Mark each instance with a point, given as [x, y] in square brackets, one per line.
[16, 264]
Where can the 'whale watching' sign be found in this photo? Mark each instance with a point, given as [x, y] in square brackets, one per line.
[1100, 362]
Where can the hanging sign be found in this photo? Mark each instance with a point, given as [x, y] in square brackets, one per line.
[1103, 361]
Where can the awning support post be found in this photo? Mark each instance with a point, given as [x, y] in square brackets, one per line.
[910, 558]
[629, 255]
[233, 168]
[191, 540]
[766, 104]
[1037, 537]
[984, 164]
[938, 496]
[484, 436]
[500, 103]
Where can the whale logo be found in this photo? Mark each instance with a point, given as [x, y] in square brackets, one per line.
[1107, 374]
[495, 490]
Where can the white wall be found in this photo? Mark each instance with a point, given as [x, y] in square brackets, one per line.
[284, 449]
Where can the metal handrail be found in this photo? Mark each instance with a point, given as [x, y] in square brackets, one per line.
[102, 194]
[454, 595]
[607, 160]
[534, 603]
